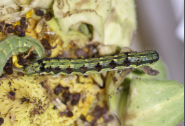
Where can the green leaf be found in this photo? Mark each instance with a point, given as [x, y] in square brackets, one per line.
[154, 103]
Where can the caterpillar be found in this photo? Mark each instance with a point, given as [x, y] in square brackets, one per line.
[12, 45]
[92, 65]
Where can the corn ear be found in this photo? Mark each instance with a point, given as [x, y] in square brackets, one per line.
[28, 100]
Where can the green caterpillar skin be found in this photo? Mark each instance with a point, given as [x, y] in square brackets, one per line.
[12, 45]
[56, 65]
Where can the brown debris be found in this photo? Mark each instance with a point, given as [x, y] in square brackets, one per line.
[148, 70]
[32, 56]
[74, 102]
[26, 59]
[108, 118]
[9, 28]
[21, 29]
[9, 67]
[83, 118]
[3, 75]
[21, 34]
[21, 60]
[92, 49]
[54, 107]
[58, 89]
[46, 44]
[62, 113]
[1, 121]
[12, 118]
[76, 96]
[65, 54]
[39, 12]
[11, 95]
[24, 100]
[18, 28]
[99, 111]
[20, 74]
[80, 53]
[67, 96]
[23, 22]
[69, 114]
[2, 26]
[48, 52]
[48, 16]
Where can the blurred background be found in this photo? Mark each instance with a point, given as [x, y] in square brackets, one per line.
[161, 27]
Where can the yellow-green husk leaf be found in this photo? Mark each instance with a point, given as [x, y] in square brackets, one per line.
[121, 25]
[72, 13]
[154, 103]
